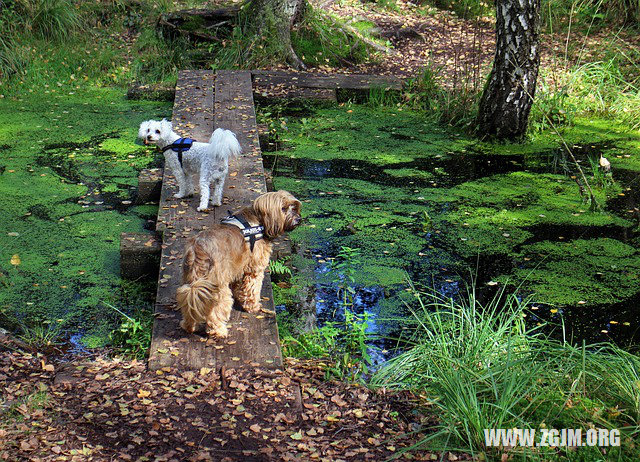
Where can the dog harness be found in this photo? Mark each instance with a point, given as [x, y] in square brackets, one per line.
[250, 233]
[179, 146]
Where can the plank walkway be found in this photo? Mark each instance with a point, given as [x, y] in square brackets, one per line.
[252, 339]
[323, 81]
[206, 100]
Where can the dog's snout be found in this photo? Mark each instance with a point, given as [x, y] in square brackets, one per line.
[149, 137]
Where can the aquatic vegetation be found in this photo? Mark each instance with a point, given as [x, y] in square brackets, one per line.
[369, 176]
[580, 272]
[69, 170]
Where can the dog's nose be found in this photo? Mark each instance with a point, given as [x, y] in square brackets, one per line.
[149, 137]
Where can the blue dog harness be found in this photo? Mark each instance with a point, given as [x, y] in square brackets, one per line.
[250, 233]
[179, 146]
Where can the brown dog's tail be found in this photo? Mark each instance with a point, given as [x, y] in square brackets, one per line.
[194, 300]
[196, 297]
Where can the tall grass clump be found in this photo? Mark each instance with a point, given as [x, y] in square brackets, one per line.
[478, 361]
[159, 59]
[607, 88]
[49, 19]
[591, 13]
[455, 105]
[482, 367]
[322, 39]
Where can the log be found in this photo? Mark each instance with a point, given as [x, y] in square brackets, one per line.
[196, 24]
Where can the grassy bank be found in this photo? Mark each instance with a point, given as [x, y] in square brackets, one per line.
[479, 367]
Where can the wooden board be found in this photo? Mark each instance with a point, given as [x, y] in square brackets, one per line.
[334, 81]
[252, 339]
[293, 92]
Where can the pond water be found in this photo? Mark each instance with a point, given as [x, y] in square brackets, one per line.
[427, 203]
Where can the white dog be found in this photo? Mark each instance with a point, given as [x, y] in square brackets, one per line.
[187, 158]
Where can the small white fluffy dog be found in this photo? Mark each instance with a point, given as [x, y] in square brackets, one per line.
[209, 161]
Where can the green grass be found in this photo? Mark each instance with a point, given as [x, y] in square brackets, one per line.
[480, 367]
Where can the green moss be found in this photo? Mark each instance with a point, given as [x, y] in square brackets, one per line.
[494, 215]
[71, 164]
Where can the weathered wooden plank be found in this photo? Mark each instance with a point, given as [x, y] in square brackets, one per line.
[192, 117]
[149, 185]
[139, 255]
[253, 339]
[345, 81]
[293, 92]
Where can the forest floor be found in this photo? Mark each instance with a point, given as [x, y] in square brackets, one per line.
[460, 50]
[112, 409]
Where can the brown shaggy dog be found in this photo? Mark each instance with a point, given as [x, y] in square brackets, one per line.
[219, 264]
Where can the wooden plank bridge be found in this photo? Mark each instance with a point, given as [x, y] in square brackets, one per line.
[205, 100]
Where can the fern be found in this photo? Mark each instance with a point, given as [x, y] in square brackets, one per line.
[278, 267]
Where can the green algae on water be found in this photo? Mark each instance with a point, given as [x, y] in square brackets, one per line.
[69, 173]
[400, 188]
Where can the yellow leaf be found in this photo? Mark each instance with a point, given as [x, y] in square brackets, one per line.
[143, 393]
[15, 260]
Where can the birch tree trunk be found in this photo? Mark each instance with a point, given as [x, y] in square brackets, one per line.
[273, 20]
[508, 96]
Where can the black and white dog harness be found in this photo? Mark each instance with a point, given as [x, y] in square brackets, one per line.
[251, 233]
[179, 146]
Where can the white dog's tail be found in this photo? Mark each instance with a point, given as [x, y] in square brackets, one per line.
[225, 143]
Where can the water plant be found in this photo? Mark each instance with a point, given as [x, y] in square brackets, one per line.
[345, 346]
[278, 267]
[343, 269]
[42, 336]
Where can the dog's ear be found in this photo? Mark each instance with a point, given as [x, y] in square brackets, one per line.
[144, 126]
[166, 127]
[269, 208]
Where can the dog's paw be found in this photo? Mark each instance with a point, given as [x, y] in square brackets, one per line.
[202, 209]
[179, 195]
[218, 331]
[216, 204]
[189, 328]
[252, 307]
